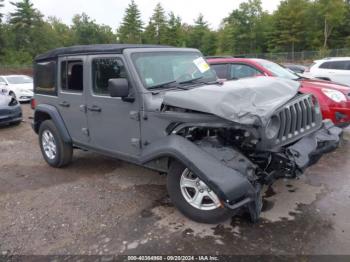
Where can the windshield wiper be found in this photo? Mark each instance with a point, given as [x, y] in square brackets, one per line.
[165, 85]
[215, 82]
[194, 80]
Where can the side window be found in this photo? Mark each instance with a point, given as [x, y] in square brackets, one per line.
[72, 76]
[347, 67]
[325, 65]
[239, 71]
[45, 77]
[104, 69]
[221, 70]
[339, 65]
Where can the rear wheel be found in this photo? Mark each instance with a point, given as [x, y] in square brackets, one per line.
[55, 151]
[193, 197]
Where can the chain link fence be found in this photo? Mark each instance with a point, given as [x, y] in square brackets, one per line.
[16, 69]
[304, 57]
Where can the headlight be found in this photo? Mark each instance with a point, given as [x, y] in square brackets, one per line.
[272, 127]
[334, 95]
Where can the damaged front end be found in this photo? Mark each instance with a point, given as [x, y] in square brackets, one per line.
[237, 159]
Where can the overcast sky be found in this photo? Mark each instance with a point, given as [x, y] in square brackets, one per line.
[110, 12]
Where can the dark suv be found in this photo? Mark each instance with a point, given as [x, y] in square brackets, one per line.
[163, 108]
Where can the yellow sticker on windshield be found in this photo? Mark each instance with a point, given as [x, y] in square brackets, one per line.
[201, 64]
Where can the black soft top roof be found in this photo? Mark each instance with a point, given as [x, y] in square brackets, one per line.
[91, 49]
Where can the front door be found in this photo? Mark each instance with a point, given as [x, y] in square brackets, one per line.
[113, 123]
[72, 97]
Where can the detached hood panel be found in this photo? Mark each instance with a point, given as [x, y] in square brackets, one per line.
[244, 101]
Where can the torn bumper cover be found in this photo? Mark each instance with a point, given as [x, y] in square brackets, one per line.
[307, 151]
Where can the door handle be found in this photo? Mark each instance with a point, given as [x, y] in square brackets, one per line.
[64, 104]
[94, 109]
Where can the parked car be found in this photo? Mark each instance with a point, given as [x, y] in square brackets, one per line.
[163, 108]
[19, 86]
[299, 69]
[335, 69]
[334, 98]
[10, 109]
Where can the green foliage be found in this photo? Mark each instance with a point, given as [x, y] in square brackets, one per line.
[201, 37]
[245, 29]
[288, 26]
[175, 35]
[86, 31]
[296, 25]
[156, 31]
[130, 30]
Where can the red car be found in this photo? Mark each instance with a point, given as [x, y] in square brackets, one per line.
[333, 98]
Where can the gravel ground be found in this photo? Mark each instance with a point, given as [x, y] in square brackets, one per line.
[99, 205]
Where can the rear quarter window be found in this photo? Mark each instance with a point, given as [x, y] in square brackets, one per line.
[45, 77]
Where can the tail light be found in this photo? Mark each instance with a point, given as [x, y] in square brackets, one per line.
[33, 103]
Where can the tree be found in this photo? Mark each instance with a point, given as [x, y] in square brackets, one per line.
[174, 31]
[25, 15]
[289, 26]
[1, 6]
[62, 33]
[200, 36]
[245, 27]
[332, 13]
[155, 32]
[25, 23]
[131, 27]
[86, 31]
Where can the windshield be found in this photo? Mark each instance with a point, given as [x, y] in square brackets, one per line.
[278, 70]
[15, 80]
[162, 68]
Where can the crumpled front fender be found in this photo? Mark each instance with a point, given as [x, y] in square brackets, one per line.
[229, 184]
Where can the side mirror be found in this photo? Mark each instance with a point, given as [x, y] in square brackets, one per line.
[118, 87]
[3, 84]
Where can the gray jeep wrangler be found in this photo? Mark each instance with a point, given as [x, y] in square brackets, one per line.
[163, 108]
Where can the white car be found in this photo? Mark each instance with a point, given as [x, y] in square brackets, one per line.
[18, 86]
[335, 69]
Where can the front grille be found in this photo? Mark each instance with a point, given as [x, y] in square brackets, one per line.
[298, 117]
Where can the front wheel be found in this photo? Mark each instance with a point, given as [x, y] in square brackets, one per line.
[55, 151]
[193, 197]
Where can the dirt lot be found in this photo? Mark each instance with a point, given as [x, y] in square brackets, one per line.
[102, 206]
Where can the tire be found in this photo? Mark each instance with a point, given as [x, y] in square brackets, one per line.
[63, 151]
[213, 216]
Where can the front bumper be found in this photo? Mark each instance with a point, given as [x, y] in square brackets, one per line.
[291, 162]
[24, 96]
[307, 151]
[10, 114]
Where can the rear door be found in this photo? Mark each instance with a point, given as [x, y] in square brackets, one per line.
[72, 97]
[342, 73]
[114, 124]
